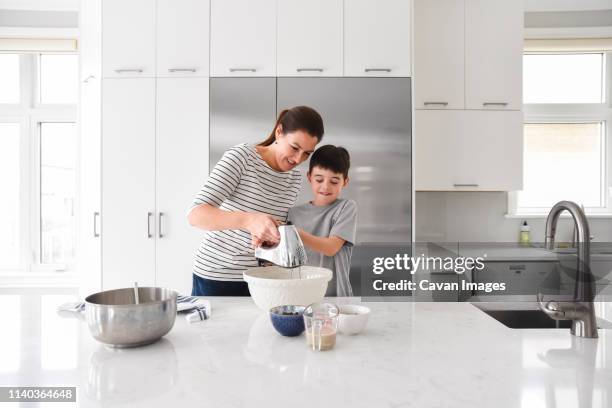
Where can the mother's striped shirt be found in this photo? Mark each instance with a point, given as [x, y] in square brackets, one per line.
[241, 181]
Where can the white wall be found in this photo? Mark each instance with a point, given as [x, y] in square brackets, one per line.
[56, 5]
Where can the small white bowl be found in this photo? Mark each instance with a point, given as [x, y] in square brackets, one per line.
[353, 318]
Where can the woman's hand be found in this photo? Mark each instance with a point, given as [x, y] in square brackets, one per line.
[263, 228]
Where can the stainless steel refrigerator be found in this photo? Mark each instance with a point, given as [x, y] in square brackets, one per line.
[371, 117]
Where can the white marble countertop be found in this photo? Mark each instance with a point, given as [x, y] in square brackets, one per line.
[411, 355]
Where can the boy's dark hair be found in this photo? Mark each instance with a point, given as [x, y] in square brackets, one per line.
[330, 157]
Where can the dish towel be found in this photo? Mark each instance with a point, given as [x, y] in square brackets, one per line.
[195, 309]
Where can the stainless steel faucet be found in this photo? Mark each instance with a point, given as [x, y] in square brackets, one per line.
[581, 310]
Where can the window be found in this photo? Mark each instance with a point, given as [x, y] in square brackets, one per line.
[57, 192]
[567, 148]
[9, 79]
[58, 78]
[563, 78]
[560, 155]
[38, 155]
[10, 248]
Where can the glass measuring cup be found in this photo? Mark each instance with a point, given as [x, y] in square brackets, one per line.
[321, 323]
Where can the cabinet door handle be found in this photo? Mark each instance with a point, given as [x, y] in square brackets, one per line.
[182, 69]
[465, 185]
[309, 70]
[377, 70]
[242, 70]
[96, 215]
[159, 225]
[495, 104]
[86, 80]
[149, 235]
[435, 103]
[124, 70]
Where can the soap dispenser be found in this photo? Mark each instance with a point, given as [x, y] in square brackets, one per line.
[525, 238]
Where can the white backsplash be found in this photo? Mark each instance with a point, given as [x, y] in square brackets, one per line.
[480, 217]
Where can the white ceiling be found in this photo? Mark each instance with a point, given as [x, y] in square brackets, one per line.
[54, 5]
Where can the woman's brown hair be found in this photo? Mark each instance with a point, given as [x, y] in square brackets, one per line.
[297, 118]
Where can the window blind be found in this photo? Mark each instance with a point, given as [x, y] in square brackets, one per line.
[568, 45]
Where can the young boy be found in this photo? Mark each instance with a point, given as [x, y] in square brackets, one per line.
[327, 223]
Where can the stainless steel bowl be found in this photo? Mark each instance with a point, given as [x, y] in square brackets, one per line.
[114, 318]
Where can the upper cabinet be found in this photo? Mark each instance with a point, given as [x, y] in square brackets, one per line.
[144, 38]
[128, 38]
[243, 38]
[182, 37]
[468, 122]
[468, 150]
[493, 54]
[293, 38]
[439, 54]
[377, 38]
[309, 38]
[468, 54]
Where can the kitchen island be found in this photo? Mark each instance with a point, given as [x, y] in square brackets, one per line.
[411, 355]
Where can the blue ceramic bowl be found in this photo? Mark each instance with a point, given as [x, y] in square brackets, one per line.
[288, 320]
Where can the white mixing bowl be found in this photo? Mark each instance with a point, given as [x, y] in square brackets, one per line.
[272, 286]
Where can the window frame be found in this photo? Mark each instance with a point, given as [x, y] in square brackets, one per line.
[30, 113]
[575, 113]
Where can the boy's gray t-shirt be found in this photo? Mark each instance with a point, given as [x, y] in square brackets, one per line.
[340, 219]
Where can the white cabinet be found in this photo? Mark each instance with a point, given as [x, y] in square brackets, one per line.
[468, 54]
[181, 168]
[468, 119]
[128, 38]
[493, 54]
[243, 38]
[128, 182]
[182, 37]
[145, 38]
[154, 157]
[434, 149]
[309, 38]
[468, 150]
[491, 147]
[377, 38]
[439, 54]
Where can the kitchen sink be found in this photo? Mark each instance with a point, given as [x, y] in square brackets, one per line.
[534, 319]
[527, 319]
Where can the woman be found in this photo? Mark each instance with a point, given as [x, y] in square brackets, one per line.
[245, 197]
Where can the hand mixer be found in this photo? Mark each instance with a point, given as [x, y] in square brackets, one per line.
[289, 252]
